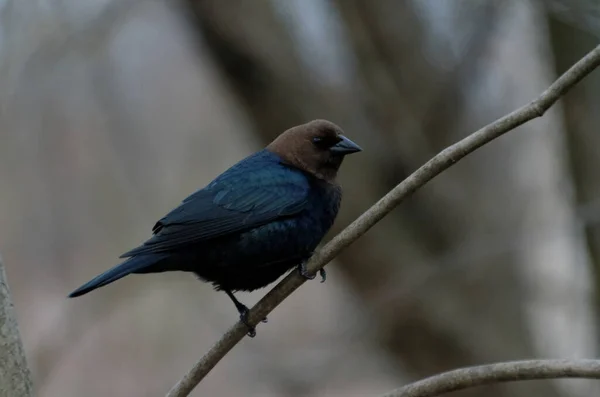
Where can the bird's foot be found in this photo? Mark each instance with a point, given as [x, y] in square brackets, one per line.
[304, 273]
[244, 312]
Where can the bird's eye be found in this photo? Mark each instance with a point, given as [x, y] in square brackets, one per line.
[325, 142]
[321, 143]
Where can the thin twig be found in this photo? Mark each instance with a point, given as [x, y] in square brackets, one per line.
[465, 378]
[420, 177]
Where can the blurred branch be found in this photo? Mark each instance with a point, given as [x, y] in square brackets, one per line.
[583, 15]
[256, 57]
[15, 378]
[360, 226]
[466, 378]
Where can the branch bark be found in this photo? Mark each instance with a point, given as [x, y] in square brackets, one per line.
[420, 177]
[15, 378]
[465, 378]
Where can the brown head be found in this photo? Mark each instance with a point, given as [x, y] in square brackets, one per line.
[317, 147]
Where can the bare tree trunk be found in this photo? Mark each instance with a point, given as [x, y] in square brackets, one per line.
[15, 378]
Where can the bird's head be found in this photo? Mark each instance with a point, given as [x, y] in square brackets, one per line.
[317, 147]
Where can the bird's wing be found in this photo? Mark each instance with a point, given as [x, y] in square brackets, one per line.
[229, 205]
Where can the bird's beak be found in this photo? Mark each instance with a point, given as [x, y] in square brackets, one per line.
[345, 146]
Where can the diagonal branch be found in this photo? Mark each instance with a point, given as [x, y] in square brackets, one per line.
[360, 226]
[465, 378]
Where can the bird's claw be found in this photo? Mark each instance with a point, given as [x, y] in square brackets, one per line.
[304, 273]
[244, 313]
[323, 275]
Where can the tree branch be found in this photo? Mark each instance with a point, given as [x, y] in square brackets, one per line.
[15, 378]
[420, 177]
[465, 378]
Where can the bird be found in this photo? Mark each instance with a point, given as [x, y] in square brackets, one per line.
[253, 223]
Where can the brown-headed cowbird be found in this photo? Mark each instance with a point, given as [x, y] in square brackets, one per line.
[257, 220]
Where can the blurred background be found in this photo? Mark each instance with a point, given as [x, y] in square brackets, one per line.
[112, 111]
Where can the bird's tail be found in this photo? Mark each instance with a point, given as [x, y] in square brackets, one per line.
[136, 264]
